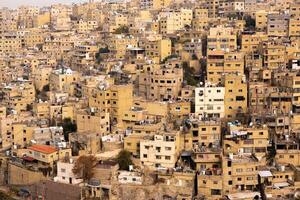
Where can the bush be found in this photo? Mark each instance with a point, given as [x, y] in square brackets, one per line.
[250, 23]
[4, 196]
[124, 160]
[68, 127]
[122, 30]
[188, 74]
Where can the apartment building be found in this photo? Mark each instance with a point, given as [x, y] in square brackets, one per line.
[47, 154]
[200, 19]
[221, 38]
[110, 99]
[277, 25]
[92, 121]
[115, 21]
[250, 41]
[154, 4]
[63, 79]
[209, 101]
[261, 20]
[201, 134]
[220, 62]
[249, 140]
[159, 151]
[84, 56]
[240, 172]
[161, 82]
[10, 43]
[235, 100]
[65, 173]
[42, 77]
[158, 49]
[18, 95]
[49, 136]
[119, 44]
[174, 20]
[294, 25]
[273, 54]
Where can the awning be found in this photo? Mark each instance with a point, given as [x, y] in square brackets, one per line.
[186, 153]
[27, 158]
[281, 185]
[265, 174]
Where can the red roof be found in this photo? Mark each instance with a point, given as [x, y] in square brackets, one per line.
[43, 148]
[27, 158]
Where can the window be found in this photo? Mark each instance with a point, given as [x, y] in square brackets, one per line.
[145, 156]
[239, 170]
[63, 170]
[215, 192]
[168, 157]
[249, 169]
[240, 98]
[168, 148]
[229, 164]
[195, 133]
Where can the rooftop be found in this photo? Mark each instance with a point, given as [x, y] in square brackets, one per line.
[43, 148]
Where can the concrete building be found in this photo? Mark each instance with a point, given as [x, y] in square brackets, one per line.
[159, 151]
[209, 101]
[65, 173]
[161, 82]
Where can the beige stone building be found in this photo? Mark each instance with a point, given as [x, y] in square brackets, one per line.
[159, 151]
[92, 121]
[160, 82]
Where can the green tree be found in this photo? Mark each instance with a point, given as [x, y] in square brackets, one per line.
[250, 22]
[168, 57]
[271, 153]
[4, 196]
[46, 88]
[122, 30]
[124, 159]
[68, 127]
[84, 167]
[188, 74]
[101, 51]
[194, 57]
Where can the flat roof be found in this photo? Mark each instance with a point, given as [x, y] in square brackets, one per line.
[281, 184]
[265, 173]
